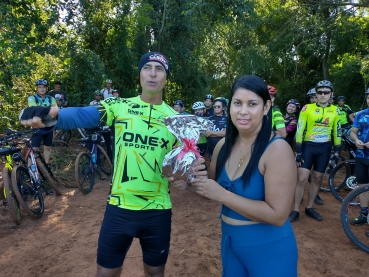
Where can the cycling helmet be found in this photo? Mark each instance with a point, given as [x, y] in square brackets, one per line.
[179, 103]
[97, 92]
[221, 99]
[295, 102]
[198, 105]
[41, 82]
[341, 98]
[311, 92]
[272, 90]
[209, 96]
[108, 81]
[324, 83]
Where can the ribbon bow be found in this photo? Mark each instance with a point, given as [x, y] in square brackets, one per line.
[189, 145]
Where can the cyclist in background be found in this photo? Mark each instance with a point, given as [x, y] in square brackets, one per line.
[198, 110]
[290, 120]
[43, 100]
[115, 93]
[312, 96]
[97, 101]
[360, 135]
[107, 91]
[219, 120]
[177, 106]
[59, 95]
[277, 117]
[313, 146]
[345, 111]
[208, 102]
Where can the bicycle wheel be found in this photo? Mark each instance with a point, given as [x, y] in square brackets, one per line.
[325, 182]
[339, 177]
[59, 143]
[29, 197]
[46, 177]
[13, 204]
[358, 234]
[84, 172]
[103, 161]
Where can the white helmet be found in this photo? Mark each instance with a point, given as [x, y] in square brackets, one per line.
[198, 105]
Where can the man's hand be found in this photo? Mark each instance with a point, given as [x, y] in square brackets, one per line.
[38, 117]
[299, 159]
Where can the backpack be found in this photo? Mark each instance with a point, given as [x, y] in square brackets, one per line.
[38, 101]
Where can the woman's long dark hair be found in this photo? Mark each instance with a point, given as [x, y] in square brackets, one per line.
[259, 87]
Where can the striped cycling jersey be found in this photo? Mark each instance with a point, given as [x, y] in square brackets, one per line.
[141, 142]
[316, 124]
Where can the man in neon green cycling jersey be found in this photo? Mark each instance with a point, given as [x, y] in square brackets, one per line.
[313, 146]
[139, 203]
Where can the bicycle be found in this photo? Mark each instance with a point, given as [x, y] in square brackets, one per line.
[358, 234]
[11, 200]
[31, 180]
[342, 177]
[92, 162]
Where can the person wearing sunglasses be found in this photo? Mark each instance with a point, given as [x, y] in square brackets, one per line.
[219, 120]
[314, 138]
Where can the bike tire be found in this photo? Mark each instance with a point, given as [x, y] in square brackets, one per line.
[84, 173]
[104, 162]
[41, 167]
[28, 197]
[13, 204]
[338, 178]
[325, 187]
[59, 143]
[358, 234]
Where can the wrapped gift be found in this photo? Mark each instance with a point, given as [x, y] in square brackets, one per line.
[188, 129]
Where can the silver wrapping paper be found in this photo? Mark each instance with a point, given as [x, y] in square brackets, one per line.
[188, 129]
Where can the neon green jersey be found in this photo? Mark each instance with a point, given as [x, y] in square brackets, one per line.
[141, 142]
[319, 123]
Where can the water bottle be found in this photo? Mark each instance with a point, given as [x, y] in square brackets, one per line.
[94, 158]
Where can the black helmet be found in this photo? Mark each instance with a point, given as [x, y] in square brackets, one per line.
[221, 99]
[209, 96]
[311, 92]
[324, 83]
[341, 98]
[295, 102]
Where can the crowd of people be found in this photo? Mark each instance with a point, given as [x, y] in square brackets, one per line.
[253, 172]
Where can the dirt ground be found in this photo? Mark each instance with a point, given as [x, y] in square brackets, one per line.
[63, 242]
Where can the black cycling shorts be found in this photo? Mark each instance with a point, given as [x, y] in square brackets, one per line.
[120, 226]
[47, 138]
[316, 155]
[362, 170]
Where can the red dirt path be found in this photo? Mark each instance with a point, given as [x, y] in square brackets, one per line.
[63, 242]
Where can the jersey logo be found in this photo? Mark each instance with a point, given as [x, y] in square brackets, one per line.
[304, 108]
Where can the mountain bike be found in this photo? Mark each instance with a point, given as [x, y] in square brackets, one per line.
[342, 178]
[91, 163]
[31, 180]
[12, 202]
[358, 234]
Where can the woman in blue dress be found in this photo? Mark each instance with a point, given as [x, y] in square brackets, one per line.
[253, 175]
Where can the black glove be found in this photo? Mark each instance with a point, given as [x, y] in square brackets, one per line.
[299, 157]
[333, 161]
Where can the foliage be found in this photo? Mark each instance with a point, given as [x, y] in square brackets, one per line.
[291, 44]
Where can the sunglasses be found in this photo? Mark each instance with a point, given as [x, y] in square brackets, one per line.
[217, 107]
[323, 92]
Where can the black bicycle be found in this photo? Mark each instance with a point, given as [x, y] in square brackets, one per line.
[31, 179]
[342, 178]
[93, 162]
[358, 234]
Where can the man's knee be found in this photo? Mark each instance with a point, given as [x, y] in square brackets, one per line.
[47, 148]
[154, 271]
[108, 272]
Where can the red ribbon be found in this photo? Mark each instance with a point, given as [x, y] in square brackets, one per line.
[189, 145]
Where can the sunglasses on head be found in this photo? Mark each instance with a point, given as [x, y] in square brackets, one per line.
[217, 107]
[323, 92]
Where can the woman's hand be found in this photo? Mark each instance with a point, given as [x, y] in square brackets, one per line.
[208, 188]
